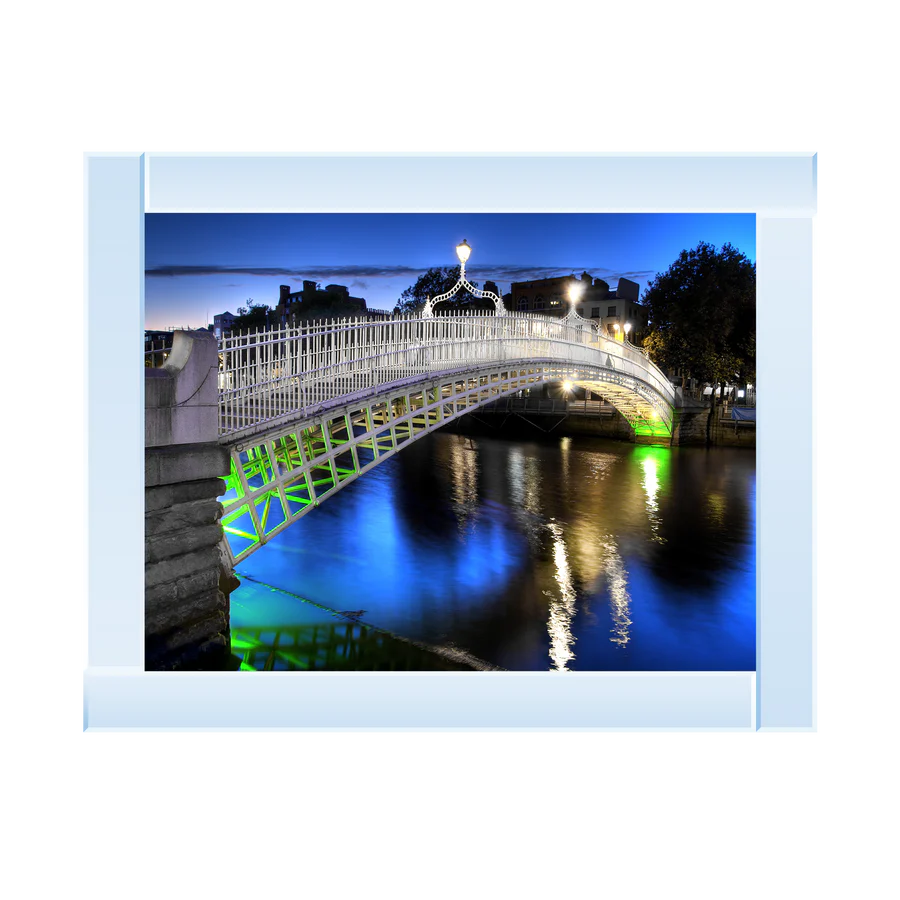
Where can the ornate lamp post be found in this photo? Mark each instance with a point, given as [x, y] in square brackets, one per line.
[574, 296]
[463, 252]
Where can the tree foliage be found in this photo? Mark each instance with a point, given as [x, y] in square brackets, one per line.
[702, 313]
[432, 283]
[253, 315]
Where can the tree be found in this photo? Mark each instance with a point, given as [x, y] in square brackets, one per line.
[432, 283]
[253, 315]
[702, 317]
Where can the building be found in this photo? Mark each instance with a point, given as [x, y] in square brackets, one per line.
[334, 298]
[550, 297]
[222, 324]
[619, 307]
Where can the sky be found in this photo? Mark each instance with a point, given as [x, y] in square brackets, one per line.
[201, 264]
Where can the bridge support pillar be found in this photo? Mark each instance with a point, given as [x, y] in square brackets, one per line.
[187, 573]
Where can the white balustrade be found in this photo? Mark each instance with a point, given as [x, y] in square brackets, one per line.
[267, 375]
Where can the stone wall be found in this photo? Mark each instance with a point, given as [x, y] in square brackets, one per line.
[690, 430]
[187, 569]
[525, 424]
[689, 427]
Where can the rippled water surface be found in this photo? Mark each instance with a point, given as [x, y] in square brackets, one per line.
[570, 553]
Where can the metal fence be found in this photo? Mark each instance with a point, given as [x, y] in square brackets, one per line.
[156, 353]
[265, 375]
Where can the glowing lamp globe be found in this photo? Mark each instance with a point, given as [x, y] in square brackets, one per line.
[462, 251]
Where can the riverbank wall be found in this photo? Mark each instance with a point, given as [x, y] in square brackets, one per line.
[598, 419]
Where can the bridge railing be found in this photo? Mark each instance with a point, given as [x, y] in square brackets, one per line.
[265, 375]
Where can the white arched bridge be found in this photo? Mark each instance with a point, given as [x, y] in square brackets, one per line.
[305, 410]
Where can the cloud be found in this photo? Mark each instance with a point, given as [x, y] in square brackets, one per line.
[313, 273]
[358, 274]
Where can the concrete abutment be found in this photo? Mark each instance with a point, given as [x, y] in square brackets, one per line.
[188, 575]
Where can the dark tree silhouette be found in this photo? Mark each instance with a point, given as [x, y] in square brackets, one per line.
[702, 313]
[432, 283]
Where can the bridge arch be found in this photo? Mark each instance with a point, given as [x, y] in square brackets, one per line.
[304, 411]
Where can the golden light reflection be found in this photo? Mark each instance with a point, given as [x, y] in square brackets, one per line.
[524, 491]
[464, 471]
[562, 607]
[619, 598]
[651, 487]
[715, 507]
[565, 445]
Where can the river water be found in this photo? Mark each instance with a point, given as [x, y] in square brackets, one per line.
[565, 553]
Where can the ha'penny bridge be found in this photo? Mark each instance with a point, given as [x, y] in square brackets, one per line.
[288, 416]
[304, 411]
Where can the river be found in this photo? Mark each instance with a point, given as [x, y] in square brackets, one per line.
[559, 553]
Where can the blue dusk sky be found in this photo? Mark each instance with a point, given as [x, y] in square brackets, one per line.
[200, 264]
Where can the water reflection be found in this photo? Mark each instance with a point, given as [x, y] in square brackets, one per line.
[619, 599]
[651, 484]
[535, 553]
[331, 647]
[464, 469]
[562, 606]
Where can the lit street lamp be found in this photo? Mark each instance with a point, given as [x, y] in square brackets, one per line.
[463, 251]
[574, 295]
[627, 330]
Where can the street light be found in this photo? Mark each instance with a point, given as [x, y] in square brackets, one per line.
[575, 290]
[627, 329]
[572, 315]
[567, 386]
[463, 251]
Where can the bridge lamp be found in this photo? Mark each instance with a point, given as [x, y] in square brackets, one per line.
[574, 293]
[567, 386]
[627, 328]
[463, 251]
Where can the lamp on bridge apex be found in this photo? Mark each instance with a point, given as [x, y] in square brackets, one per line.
[627, 329]
[462, 251]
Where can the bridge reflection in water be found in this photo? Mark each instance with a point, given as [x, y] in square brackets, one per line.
[556, 553]
[331, 647]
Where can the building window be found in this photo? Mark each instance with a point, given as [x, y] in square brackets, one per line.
[554, 302]
[522, 303]
[539, 303]
[595, 312]
[611, 311]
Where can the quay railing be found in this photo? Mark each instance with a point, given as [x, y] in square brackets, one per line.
[268, 374]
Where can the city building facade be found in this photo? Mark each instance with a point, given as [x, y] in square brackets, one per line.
[311, 296]
[550, 297]
[222, 324]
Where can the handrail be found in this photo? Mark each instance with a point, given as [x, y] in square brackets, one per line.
[268, 373]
